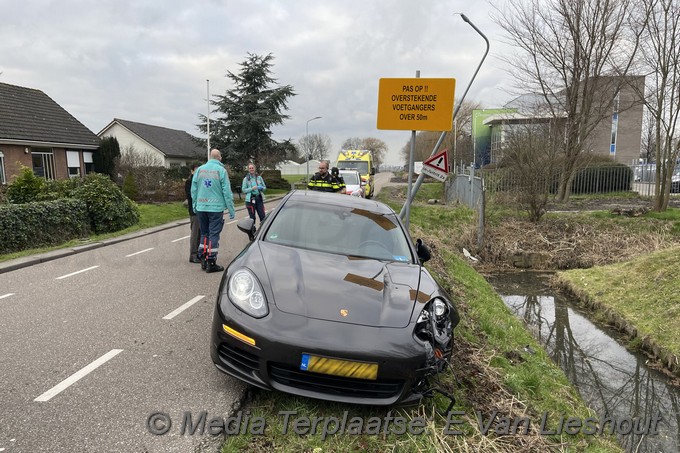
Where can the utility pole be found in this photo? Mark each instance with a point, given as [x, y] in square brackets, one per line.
[307, 143]
[208, 118]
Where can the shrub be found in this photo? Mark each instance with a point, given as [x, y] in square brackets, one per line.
[60, 188]
[26, 187]
[108, 208]
[273, 179]
[177, 173]
[602, 178]
[41, 223]
[168, 190]
[130, 186]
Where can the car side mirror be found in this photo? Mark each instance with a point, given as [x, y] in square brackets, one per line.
[248, 227]
[422, 251]
[372, 170]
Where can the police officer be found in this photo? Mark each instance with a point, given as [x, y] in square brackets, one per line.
[324, 181]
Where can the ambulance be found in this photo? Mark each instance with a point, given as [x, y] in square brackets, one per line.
[362, 161]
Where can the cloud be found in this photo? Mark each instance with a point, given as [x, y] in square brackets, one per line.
[148, 61]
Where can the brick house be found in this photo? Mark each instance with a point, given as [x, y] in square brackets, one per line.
[38, 133]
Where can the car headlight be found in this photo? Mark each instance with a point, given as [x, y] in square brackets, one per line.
[435, 325]
[436, 307]
[246, 293]
[440, 308]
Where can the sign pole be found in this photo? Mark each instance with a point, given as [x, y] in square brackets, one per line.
[419, 181]
[407, 217]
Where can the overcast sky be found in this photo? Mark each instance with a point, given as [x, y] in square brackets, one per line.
[148, 61]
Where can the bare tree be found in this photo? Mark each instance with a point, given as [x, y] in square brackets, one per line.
[315, 146]
[352, 143]
[377, 147]
[648, 145]
[146, 167]
[661, 56]
[576, 54]
[529, 160]
[458, 141]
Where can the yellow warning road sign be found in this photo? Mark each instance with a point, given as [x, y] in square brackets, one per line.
[415, 104]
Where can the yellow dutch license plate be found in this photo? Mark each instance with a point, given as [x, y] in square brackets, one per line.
[337, 367]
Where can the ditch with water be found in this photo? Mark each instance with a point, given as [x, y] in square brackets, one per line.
[613, 381]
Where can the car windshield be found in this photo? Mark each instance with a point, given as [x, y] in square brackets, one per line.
[351, 179]
[360, 165]
[339, 229]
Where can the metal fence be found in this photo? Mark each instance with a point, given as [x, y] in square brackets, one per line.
[590, 180]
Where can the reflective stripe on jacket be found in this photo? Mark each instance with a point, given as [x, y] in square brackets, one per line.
[325, 184]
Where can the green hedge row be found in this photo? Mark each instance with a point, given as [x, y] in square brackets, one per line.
[273, 180]
[602, 179]
[42, 223]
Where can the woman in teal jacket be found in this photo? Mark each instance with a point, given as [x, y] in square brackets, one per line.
[253, 186]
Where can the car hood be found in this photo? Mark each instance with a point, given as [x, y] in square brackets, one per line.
[338, 288]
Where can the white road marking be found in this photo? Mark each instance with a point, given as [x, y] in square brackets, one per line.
[176, 240]
[6, 295]
[76, 272]
[233, 221]
[137, 253]
[63, 385]
[183, 307]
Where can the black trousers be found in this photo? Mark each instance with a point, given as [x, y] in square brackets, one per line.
[256, 204]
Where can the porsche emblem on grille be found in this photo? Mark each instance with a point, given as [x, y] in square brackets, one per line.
[344, 312]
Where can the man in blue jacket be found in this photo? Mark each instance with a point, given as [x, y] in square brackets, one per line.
[211, 195]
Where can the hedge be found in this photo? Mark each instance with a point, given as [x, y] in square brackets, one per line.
[605, 178]
[42, 223]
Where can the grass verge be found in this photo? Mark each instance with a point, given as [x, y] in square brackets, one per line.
[640, 296]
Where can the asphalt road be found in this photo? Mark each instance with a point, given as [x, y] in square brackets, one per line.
[94, 343]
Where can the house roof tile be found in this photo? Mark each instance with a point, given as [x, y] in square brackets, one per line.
[27, 114]
[171, 142]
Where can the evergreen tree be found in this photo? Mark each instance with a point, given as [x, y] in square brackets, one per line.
[130, 186]
[105, 158]
[247, 113]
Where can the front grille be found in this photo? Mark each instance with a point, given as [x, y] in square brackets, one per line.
[334, 385]
[239, 358]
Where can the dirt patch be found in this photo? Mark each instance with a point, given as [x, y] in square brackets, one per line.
[605, 204]
[570, 242]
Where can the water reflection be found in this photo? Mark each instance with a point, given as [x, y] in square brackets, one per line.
[610, 379]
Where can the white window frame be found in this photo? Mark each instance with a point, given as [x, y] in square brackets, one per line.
[88, 161]
[47, 158]
[3, 180]
[73, 163]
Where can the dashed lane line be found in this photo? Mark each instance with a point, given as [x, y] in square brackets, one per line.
[182, 308]
[63, 385]
[76, 272]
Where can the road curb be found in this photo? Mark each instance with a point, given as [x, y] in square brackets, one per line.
[19, 263]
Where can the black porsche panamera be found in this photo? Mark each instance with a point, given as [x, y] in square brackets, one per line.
[330, 300]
